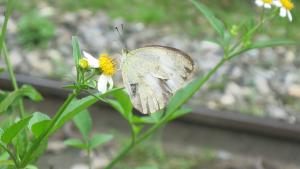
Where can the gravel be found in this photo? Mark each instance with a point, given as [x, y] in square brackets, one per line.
[263, 82]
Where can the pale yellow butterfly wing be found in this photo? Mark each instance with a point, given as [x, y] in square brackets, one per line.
[152, 74]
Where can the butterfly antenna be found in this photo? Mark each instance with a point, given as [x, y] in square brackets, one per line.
[121, 36]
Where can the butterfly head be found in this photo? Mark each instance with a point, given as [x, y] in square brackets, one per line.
[125, 52]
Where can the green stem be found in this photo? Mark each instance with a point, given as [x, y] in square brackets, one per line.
[46, 133]
[13, 79]
[158, 125]
[262, 21]
[89, 159]
[9, 10]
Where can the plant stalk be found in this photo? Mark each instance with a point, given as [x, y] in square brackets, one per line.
[89, 158]
[13, 79]
[45, 134]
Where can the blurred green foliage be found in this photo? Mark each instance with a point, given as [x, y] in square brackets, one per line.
[152, 155]
[35, 30]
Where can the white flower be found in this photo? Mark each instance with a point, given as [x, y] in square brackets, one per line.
[285, 8]
[264, 3]
[106, 64]
[104, 83]
[93, 62]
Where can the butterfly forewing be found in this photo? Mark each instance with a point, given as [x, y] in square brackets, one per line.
[152, 74]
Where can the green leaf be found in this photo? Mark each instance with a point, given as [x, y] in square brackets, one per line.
[30, 92]
[38, 123]
[8, 100]
[37, 117]
[151, 119]
[83, 122]
[99, 139]
[1, 132]
[75, 143]
[76, 50]
[70, 86]
[4, 155]
[124, 105]
[184, 94]
[216, 23]
[31, 167]
[180, 112]
[117, 106]
[20, 143]
[79, 105]
[38, 128]
[40, 151]
[14, 129]
[25, 90]
[7, 163]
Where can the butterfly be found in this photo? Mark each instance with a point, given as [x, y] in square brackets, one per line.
[152, 74]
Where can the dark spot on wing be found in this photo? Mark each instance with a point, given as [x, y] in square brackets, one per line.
[188, 70]
[133, 88]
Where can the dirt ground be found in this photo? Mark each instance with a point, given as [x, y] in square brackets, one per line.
[232, 150]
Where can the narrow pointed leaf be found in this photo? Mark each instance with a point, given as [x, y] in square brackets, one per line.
[25, 90]
[38, 123]
[79, 105]
[216, 23]
[38, 128]
[31, 92]
[14, 129]
[99, 139]
[124, 101]
[180, 112]
[75, 143]
[151, 119]
[76, 50]
[83, 122]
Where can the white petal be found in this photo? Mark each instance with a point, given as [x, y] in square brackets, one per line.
[110, 82]
[267, 6]
[290, 16]
[277, 3]
[105, 83]
[102, 83]
[93, 62]
[283, 12]
[259, 3]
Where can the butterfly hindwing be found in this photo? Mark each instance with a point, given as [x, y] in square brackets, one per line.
[152, 74]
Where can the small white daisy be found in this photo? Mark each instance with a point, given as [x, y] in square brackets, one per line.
[285, 8]
[264, 3]
[107, 66]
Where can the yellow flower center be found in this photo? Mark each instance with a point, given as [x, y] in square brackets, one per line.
[288, 4]
[107, 64]
[267, 1]
[83, 63]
